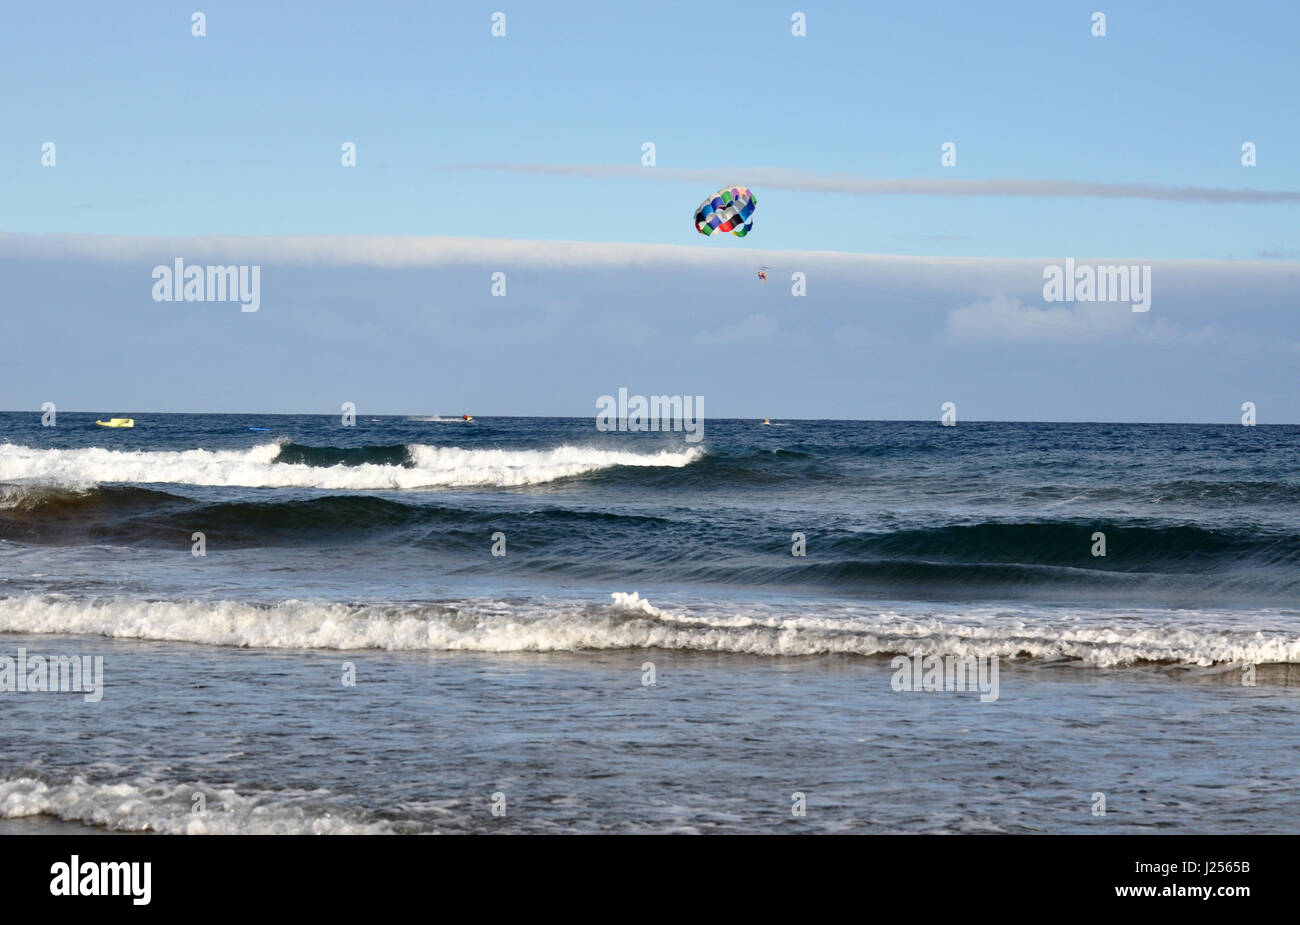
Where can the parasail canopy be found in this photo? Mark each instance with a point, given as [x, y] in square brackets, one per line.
[729, 209]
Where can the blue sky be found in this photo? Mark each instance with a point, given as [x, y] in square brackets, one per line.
[238, 133]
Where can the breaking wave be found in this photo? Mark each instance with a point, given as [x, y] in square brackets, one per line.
[629, 621]
[275, 465]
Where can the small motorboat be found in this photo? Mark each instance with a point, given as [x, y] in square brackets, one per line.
[117, 422]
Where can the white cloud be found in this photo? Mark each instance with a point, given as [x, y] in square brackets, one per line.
[857, 337]
[753, 330]
[1007, 319]
[390, 251]
[1003, 318]
[811, 181]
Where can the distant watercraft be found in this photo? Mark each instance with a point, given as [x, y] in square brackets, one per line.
[259, 428]
[117, 422]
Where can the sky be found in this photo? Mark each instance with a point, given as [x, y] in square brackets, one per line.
[522, 154]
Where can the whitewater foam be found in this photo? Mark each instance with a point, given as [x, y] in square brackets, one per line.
[632, 622]
[434, 467]
[145, 805]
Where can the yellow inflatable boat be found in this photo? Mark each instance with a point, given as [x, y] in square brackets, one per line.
[117, 422]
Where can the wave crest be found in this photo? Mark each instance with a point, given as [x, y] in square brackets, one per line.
[631, 622]
[258, 467]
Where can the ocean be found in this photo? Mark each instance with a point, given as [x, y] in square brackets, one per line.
[424, 625]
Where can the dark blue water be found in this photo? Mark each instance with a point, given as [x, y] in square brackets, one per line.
[524, 673]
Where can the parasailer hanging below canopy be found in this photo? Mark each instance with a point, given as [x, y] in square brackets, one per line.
[762, 273]
[729, 209]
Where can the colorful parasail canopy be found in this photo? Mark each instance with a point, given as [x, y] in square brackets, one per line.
[729, 209]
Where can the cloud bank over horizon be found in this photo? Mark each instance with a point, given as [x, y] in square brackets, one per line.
[410, 325]
[395, 251]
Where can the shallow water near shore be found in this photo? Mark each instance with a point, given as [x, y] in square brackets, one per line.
[578, 743]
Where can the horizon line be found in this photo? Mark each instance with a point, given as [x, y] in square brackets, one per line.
[741, 418]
